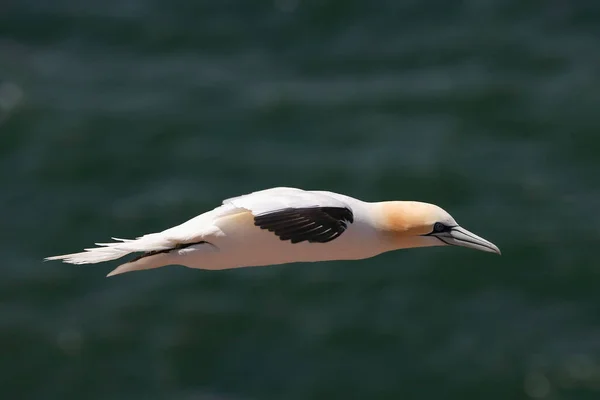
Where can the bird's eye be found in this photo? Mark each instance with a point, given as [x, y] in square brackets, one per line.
[439, 227]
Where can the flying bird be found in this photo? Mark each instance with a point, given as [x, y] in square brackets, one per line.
[284, 225]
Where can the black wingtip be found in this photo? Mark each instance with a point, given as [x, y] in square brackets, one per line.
[313, 224]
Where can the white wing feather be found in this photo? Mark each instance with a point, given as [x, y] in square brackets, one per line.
[269, 200]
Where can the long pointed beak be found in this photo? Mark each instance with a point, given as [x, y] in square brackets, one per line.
[459, 236]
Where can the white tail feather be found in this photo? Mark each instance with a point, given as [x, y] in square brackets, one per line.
[112, 251]
[148, 262]
[158, 244]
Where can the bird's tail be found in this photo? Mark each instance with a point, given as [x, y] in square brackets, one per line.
[150, 261]
[155, 244]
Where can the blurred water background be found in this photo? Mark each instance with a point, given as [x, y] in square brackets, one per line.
[123, 117]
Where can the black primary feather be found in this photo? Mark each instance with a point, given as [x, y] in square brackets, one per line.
[314, 224]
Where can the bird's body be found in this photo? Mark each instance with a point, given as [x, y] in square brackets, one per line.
[283, 225]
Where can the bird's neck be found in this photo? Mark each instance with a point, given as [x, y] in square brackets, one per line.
[400, 218]
[400, 224]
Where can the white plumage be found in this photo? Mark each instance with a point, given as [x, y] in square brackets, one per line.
[282, 225]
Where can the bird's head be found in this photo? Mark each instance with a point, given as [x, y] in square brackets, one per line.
[416, 224]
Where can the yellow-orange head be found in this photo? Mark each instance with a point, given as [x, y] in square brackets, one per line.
[415, 224]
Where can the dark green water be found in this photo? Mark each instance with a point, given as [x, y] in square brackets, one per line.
[124, 117]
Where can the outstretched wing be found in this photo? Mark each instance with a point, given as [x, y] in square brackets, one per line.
[315, 225]
[297, 215]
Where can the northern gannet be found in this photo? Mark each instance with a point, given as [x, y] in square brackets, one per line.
[284, 225]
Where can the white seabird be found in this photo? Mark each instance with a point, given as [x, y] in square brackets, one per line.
[284, 225]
